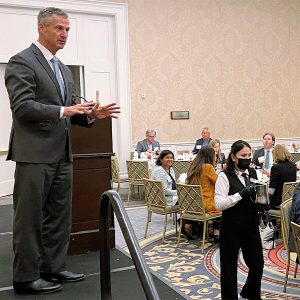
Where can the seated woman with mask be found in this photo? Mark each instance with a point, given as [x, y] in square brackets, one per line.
[164, 172]
[284, 170]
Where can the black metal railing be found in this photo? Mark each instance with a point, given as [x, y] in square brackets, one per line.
[132, 244]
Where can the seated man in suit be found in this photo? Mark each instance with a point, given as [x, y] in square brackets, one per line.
[263, 157]
[204, 141]
[148, 144]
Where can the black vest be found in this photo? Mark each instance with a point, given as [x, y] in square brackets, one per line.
[244, 213]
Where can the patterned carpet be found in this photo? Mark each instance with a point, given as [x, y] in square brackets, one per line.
[197, 274]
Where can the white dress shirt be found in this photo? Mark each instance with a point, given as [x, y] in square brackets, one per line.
[222, 199]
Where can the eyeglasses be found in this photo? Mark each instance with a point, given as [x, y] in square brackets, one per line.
[152, 136]
[80, 97]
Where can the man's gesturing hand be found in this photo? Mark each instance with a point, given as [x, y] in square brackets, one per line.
[104, 111]
[83, 108]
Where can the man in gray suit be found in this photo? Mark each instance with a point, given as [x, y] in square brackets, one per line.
[148, 144]
[40, 90]
[204, 141]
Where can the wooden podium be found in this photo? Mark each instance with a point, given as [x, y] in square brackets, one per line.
[92, 151]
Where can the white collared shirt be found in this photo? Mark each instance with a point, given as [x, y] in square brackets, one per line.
[222, 199]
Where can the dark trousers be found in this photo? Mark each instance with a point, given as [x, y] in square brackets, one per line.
[42, 218]
[232, 239]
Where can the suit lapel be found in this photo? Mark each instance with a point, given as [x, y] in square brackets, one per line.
[146, 145]
[42, 60]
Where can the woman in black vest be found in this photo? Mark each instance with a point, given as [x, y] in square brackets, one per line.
[235, 195]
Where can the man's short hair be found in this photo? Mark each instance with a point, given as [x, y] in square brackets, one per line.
[150, 131]
[46, 13]
[271, 134]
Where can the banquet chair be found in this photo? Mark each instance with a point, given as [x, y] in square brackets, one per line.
[157, 203]
[191, 207]
[181, 166]
[295, 157]
[137, 170]
[287, 193]
[285, 211]
[296, 237]
[115, 173]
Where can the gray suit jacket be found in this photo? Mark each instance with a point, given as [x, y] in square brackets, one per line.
[38, 135]
[258, 153]
[199, 142]
[142, 146]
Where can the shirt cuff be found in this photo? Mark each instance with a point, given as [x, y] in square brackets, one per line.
[61, 114]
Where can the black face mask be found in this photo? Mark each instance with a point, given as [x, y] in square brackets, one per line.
[243, 163]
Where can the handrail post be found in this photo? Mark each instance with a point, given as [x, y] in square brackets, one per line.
[132, 244]
[104, 250]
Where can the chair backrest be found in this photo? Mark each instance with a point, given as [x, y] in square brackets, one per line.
[137, 170]
[181, 166]
[285, 210]
[190, 200]
[295, 157]
[155, 195]
[115, 171]
[296, 236]
[288, 190]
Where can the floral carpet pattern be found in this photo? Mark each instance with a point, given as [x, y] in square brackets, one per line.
[196, 273]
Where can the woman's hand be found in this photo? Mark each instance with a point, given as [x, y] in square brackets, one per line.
[267, 172]
[248, 191]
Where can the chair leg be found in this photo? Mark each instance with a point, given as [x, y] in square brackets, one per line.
[118, 188]
[203, 235]
[129, 192]
[165, 228]
[148, 220]
[179, 232]
[287, 271]
[175, 220]
[296, 268]
[150, 216]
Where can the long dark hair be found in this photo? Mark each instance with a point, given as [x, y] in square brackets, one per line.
[206, 155]
[235, 148]
[162, 155]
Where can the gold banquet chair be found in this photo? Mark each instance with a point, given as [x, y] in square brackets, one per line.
[285, 210]
[287, 192]
[295, 157]
[157, 203]
[181, 166]
[115, 173]
[137, 170]
[191, 207]
[296, 238]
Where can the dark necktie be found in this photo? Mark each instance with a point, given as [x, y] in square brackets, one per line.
[55, 65]
[247, 181]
